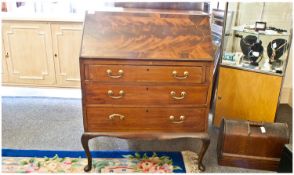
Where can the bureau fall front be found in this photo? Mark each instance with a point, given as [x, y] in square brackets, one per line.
[146, 74]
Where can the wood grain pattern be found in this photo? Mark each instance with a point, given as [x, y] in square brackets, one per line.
[96, 93]
[146, 35]
[255, 149]
[147, 46]
[147, 119]
[143, 73]
[246, 95]
[249, 162]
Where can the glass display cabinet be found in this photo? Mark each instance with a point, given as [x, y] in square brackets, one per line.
[255, 52]
[263, 50]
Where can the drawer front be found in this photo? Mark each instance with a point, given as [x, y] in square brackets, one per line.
[102, 119]
[98, 93]
[128, 73]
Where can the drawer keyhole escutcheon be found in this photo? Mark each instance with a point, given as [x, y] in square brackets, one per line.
[175, 75]
[120, 73]
[173, 94]
[112, 116]
[111, 94]
[173, 120]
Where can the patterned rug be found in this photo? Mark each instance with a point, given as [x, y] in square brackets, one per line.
[37, 161]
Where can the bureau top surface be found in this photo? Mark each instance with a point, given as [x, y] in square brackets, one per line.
[147, 34]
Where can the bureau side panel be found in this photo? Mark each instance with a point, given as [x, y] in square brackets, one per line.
[209, 77]
[82, 75]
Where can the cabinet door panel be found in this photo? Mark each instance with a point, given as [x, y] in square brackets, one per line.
[245, 95]
[29, 53]
[66, 45]
[4, 71]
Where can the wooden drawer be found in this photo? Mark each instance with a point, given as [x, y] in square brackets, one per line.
[138, 119]
[129, 73]
[99, 93]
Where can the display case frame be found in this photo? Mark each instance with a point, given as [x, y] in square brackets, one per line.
[255, 101]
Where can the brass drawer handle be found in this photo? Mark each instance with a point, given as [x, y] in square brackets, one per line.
[121, 94]
[120, 73]
[181, 119]
[173, 94]
[175, 75]
[112, 116]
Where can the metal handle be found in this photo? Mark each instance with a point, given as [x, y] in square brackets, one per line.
[257, 124]
[6, 55]
[120, 73]
[181, 119]
[112, 116]
[110, 94]
[173, 94]
[254, 124]
[175, 75]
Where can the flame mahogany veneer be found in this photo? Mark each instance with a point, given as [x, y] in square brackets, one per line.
[146, 74]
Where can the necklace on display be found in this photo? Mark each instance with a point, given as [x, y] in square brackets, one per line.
[274, 49]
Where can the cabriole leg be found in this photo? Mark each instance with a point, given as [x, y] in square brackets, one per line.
[205, 144]
[85, 142]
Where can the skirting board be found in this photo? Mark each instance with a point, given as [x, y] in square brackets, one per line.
[286, 96]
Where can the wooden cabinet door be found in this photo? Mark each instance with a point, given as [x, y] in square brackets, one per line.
[4, 72]
[66, 45]
[28, 52]
[246, 95]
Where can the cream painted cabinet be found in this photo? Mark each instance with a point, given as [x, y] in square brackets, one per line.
[41, 53]
[66, 40]
[28, 53]
[4, 71]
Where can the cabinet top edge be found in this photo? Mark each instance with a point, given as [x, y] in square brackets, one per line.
[146, 59]
[146, 11]
[251, 70]
[43, 17]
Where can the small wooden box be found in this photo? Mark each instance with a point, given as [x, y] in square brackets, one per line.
[243, 144]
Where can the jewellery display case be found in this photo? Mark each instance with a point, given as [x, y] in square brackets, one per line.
[263, 51]
[254, 56]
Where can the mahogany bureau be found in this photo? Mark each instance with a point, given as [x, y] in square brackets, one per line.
[146, 74]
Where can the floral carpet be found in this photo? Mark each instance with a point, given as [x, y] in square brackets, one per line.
[109, 162]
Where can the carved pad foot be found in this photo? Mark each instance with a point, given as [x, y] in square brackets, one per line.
[87, 168]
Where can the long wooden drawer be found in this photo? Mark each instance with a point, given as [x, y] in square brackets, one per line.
[133, 73]
[99, 93]
[151, 119]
